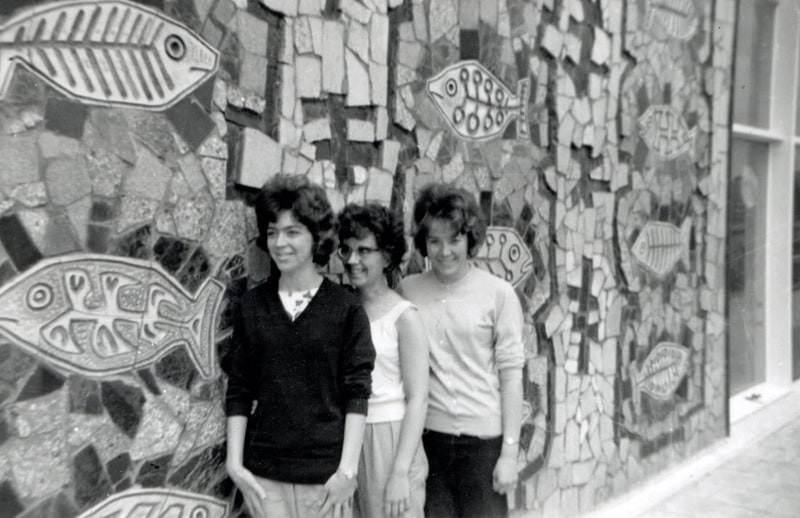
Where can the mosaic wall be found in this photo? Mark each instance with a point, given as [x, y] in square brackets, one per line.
[593, 133]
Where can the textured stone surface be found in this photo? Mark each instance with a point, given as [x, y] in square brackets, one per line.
[260, 158]
[20, 159]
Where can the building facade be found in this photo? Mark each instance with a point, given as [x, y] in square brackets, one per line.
[595, 135]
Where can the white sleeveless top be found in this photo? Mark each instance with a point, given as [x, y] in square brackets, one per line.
[388, 399]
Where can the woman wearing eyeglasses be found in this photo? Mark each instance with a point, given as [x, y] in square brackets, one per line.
[299, 369]
[474, 324]
[393, 467]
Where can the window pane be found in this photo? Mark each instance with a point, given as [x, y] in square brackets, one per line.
[753, 62]
[796, 270]
[746, 262]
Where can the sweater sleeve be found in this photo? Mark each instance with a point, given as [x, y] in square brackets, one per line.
[358, 359]
[238, 365]
[509, 351]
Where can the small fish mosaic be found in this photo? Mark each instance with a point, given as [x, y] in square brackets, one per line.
[660, 245]
[157, 503]
[476, 104]
[505, 255]
[676, 18]
[98, 315]
[106, 52]
[665, 131]
[662, 371]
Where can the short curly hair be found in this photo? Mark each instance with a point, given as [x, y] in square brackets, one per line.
[452, 204]
[307, 202]
[358, 220]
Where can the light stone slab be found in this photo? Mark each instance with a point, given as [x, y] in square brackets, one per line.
[333, 70]
[358, 81]
[260, 158]
[379, 38]
[360, 130]
[308, 76]
[318, 129]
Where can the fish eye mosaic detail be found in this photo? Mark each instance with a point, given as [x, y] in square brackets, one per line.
[505, 254]
[158, 503]
[107, 52]
[98, 315]
[476, 104]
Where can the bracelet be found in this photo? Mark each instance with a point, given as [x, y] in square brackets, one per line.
[510, 441]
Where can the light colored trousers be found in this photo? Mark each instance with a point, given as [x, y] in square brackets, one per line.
[377, 458]
[287, 500]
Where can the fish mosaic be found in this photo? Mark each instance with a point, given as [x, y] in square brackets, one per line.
[676, 18]
[505, 255]
[99, 315]
[661, 372]
[106, 52]
[660, 245]
[665, 131]
[476, 104]
[157, 503]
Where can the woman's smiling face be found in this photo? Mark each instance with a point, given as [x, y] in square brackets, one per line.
[448, 250]
[363, 260]
[290, 243]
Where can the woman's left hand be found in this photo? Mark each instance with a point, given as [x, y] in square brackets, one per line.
[339, 491]
[504, 477]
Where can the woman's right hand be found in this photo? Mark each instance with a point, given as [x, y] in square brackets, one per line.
[252, 491]
[397, 495]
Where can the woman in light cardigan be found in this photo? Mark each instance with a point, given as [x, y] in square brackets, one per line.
[474, 323]
[393, 467]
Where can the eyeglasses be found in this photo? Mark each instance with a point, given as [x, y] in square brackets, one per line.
[345, 251]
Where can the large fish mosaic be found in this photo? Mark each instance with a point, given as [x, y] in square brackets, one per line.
[660, 245]
[106, 52]
[99, 315]
[505, 255]
[664, 131]
[476, 104]
[157, 503]
[661, 372]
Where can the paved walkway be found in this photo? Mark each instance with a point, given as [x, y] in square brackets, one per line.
[761, 481]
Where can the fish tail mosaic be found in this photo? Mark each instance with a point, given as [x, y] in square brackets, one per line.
[107, 52]
[153, 502]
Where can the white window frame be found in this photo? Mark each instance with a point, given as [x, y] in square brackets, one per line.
[782, 139]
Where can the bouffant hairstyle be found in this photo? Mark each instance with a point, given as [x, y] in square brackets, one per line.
[457, 206]
[359, 220]
[308, 204]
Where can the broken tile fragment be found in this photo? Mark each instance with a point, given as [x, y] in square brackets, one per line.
[260, 158]
[333, 70]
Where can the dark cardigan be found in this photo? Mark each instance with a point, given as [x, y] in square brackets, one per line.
[305, 375]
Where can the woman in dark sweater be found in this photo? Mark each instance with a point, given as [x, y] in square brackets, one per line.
[299, 368]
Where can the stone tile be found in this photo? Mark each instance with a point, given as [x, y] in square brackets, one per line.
[360, 130]
[29, 194]
[303, 42]
[379, 187]
[191, 122]
[260, 158]
[390, 152]
[38, 467]
[317, 34]
[52, 145]
[149, 177]
[333, 71]
[286, 54]
[358, 81]
[285, 7]
[20, 160]
[135, 210]
[253, 75]
[67, 180]
[312, 7]
[192, 216]
[379, 83]
[410, 53]
[443, 16]
[355, 10]
[65, 117]
[379, 38]
[358, 40]
[552, 40]
[381, 123]
[319, 129]
[252, 33]
[78, 213]
[227, 233]
[308, 76]
[602, 47]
